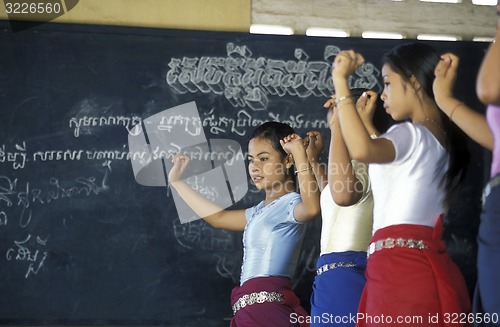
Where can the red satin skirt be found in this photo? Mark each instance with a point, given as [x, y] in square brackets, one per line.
[412, 287]
[269, 314]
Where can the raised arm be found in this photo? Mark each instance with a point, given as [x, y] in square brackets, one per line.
[345, 188]
[468, 120]
[309, 208]
[207, 210]
[359, 143]
[314, 147]
[488, 79]
[366, 106]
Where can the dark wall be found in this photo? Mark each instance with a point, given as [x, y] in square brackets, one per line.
[81, 242]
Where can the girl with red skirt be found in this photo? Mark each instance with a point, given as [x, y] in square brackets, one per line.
[415, 169]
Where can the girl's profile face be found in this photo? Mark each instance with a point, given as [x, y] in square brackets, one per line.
[266, 165]
[395, 94]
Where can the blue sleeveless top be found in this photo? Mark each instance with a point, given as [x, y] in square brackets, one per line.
[272, 239]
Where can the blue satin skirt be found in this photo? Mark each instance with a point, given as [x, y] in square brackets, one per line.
[487, 295]
[336, 291]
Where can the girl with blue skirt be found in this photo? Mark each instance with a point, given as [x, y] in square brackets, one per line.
[486, 132]
[346, 211]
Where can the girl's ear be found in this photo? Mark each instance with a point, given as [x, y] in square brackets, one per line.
[289, 161]
[415, 84]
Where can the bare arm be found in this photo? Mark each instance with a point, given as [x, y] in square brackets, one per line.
[488, 79]
[207, 210]
[366, 106]
[361, 147]
[314, 148]
[471, 122]
[344, 186]
[309, 208]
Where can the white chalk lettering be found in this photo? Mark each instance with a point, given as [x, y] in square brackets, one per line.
[249, 82]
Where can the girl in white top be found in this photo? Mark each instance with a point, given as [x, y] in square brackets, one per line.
[346, 211]
[415, 170]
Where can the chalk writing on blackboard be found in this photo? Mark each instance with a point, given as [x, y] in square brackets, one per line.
[28, 252]
[18, 157]
[14, 192]
[87, 122]
[20, 198]
[249, 82]
[198, 235]
[239, 123]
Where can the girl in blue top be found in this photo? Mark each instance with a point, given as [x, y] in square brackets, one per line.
[272, 230]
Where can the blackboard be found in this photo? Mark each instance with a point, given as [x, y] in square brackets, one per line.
[81, 242]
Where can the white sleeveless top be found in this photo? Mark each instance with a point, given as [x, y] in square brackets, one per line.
[347, 228]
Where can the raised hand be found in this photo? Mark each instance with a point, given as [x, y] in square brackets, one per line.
[446, 75]
[346, 63]
[365, 106]
[292, 142]
[331, 114]
[180, 162]
[314, 146]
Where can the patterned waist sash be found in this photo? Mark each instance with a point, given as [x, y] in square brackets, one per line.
[257, 297]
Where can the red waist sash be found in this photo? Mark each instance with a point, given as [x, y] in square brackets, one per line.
[419, 286]
[287, 313]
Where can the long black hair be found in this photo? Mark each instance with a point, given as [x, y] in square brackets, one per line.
[420, 60]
